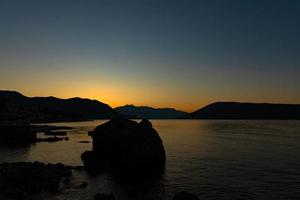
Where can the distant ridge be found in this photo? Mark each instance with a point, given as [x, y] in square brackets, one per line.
[149, 113]
[15, 106]
[235, 110]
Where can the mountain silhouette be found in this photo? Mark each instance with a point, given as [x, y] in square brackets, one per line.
[149, 112]
[15, 106]
[234, 110]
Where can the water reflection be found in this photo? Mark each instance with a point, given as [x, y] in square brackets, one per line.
[213, 159]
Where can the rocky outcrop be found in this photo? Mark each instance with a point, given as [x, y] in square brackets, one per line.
[18, 180]
[122, 144]
[185, 196]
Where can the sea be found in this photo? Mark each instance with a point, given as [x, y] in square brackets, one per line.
[214, 159]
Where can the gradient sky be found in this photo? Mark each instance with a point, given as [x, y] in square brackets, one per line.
[181, 54]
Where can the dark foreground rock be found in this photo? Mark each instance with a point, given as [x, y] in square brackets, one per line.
[122, 144]
[18, 180]
[185, 196]
[101, 196]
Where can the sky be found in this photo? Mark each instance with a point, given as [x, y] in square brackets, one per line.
[182, 54]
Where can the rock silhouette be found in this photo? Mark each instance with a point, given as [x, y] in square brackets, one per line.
[122, 144]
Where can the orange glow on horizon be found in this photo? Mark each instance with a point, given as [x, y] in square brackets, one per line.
[114, 98]
[120, 92]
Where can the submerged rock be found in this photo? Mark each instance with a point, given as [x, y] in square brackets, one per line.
[18, 180]
[122, 144]
[185, 196]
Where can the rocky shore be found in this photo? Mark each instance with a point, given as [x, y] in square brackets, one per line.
[29, 180]
[12, 132]
[22, 179]
[119, 146]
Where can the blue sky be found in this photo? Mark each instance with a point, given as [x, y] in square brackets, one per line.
[182, 54]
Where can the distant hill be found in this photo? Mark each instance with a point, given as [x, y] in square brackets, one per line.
[233, 110]
[14, 106]
[149, 113]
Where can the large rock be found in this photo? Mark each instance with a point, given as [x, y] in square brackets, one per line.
[122, 144]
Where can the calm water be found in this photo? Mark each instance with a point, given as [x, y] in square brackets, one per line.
[213, 159]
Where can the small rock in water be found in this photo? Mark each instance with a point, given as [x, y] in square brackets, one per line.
[185, 196]
[101, 196]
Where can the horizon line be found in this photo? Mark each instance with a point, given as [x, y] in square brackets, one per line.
[143, 105]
